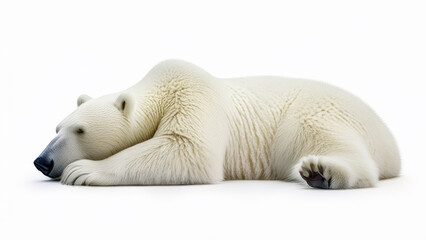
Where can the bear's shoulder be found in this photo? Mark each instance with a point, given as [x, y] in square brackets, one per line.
[174, 71]
[178, 67]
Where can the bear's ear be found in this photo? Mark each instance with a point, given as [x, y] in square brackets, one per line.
[125, 103]
[82, 99]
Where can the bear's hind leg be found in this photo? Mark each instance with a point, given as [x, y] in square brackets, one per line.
[352, 169]
[335, 172]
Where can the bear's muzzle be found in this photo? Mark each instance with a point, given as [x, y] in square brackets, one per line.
[44, 165]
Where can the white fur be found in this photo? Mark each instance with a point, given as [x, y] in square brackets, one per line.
[180, 125]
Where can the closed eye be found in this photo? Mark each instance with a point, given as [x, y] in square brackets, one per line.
[79, 131]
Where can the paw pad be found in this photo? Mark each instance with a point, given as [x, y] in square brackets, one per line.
[315, 176]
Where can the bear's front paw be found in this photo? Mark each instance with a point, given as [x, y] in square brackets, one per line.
[84, 172]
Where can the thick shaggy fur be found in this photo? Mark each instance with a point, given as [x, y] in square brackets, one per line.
[181, 125]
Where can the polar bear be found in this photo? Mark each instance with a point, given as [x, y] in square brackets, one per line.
[181, 125]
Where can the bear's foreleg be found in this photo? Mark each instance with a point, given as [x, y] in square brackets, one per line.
[166, 159]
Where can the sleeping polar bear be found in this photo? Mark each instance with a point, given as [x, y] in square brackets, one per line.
[181, 125]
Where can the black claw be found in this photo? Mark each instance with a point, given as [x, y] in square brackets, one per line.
[320, 169]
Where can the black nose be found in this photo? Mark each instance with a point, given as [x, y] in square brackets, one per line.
[44, 165]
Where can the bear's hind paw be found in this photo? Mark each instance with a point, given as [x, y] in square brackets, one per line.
[325, 172]
[313, 173]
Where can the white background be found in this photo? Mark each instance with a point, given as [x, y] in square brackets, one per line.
[52, 51]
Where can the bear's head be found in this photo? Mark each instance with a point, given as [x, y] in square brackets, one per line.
[97, 129]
